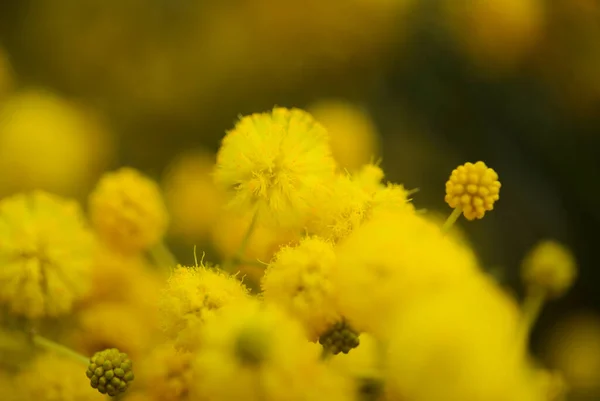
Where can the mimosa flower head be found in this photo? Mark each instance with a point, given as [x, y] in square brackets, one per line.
[166, 374]
[127, 210]
[192, 296]
[51, 377]
[298, 279]
[474, 188]
[551, 267]
[275, 164]
[266, 354]
[46, 254]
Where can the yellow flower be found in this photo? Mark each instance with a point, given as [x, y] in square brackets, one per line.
[127, 211]
[266, 354]
[46, 254]
[275, 164]
[48, 143]
[474, 188]
[549, 266]
[166, 374]
[54, 378]
[352, 133]
[113, 325]
[192, 197]
[459, 344]
[298, 279]
[354, 199]
[391, 261]
[193, 295]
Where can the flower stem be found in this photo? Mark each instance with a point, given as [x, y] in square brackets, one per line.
[162, 256]
[532, 306]
[49, 345]
[451, 219]
[237, 257]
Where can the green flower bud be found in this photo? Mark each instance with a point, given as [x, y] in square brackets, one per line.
[339, 338]
[110, 371]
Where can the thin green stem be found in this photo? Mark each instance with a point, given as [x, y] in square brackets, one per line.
[532, 306]
[237, 257]
[162, 256]
[50, 345]
[451, 219]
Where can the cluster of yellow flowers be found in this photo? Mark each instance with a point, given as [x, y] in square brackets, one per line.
[362, 297]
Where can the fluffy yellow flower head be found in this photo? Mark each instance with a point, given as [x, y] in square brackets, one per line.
[354, 199]
[49, 143]
[353, 135]
[392, 260]
[166, 374]
[459, 345]
[474, 188]
[193, 295]
[46, 254]
[275, 164]
[298, 279]
[192, 197]
[266, 354]
[54, 378]
[112, 324]
[551, 267]
[127, 211]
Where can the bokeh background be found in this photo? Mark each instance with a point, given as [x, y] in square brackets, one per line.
[90, 85]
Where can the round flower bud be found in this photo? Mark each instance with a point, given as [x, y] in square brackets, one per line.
[550, 266]
[339, 338]
[110, 371]
[474, 188]
[127, 211]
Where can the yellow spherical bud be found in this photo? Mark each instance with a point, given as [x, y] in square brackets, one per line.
[127, 211]
[550, 266]
[474, 188]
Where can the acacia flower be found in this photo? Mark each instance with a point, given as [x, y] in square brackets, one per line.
[46, 254]
[127, 211]
[193, 295]
[266, 354]
[474, 188]
[275, 164]
[298, 279]
[551, 267]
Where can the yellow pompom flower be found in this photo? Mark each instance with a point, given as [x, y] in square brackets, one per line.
[111, 324]
[193, 295]
[474, 188]
[353, 135]
[459, 344]
[127, 210]
[193, 200]
[392, 260]
[353, 200]
[266, 354]
[54, 378]
[166, 374]
[46, 254]
[551, 267]
[49, 143]
[298, 279]
[274, 164]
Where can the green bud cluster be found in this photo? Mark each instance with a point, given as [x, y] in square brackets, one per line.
[110, 371]
[339, 338]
